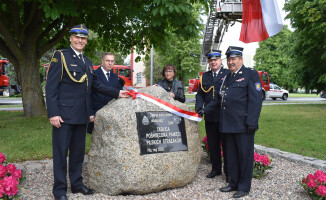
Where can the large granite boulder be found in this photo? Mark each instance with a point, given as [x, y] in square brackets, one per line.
[115, 164]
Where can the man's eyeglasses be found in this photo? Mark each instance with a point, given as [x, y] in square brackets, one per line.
[109, 61]
[169, 71]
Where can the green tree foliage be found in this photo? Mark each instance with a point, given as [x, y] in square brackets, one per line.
[183, 53]
[273, 56]
[157, 68]
[29, 28]
[308, 18]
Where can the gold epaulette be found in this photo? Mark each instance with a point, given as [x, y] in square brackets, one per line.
[64, 64]
[209, 89]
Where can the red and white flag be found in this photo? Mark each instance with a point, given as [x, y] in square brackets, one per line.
[261, 19]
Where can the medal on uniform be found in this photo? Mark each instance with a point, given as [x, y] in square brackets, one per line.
[222, 91]
[74, 73]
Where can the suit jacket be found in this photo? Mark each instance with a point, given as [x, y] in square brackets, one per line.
[242, 102]
[202, 98]
[68, 96]
[99, 100]
[176, 89]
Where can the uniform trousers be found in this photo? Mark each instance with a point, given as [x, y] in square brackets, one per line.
[214, 139]
[68, 137]
[240, 148]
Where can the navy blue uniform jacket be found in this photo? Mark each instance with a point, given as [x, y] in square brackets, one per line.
[242, 102]
[69, 99]
[202, 98]
[99, 100]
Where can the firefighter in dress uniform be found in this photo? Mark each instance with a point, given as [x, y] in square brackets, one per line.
[69, 84]
[209, 87]
[241, 102]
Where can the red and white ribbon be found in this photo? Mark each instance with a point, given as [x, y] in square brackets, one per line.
[166, 106]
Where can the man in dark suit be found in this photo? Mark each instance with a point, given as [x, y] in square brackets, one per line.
[209, 87]
[70, 82]
[107, 77]
[241, 104]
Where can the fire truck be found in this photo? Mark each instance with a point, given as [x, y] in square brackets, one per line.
[268, 92]
[123, 72]
[5, 88]
[265, 84]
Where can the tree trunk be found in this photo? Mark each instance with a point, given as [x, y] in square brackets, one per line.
[32, 94]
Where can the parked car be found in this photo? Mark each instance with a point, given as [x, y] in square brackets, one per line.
[277, 92]
[323, 94]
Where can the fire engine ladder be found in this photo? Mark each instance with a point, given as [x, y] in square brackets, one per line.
[222, 14]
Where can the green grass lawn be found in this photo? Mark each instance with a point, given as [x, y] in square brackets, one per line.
[294, 95]
[294, 128]
[24, 138]
[298, 129]
[190, 95]
[10, 106]
[293, 102]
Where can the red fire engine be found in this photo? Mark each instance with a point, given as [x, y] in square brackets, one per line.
[264, 79]
[5, 88]
[123, 72]
[4, 79]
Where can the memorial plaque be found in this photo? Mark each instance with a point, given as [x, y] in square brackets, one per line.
[161, 132]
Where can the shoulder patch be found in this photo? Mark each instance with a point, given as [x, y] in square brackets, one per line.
[54, 60]
[258, 86]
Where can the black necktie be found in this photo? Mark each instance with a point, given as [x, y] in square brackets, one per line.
[108, 75]
[81, 57]
[231, 77]
[215, 76]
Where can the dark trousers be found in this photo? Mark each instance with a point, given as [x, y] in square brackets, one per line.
[68, 137]
[90, 127]
[240, 148]
[214, 139]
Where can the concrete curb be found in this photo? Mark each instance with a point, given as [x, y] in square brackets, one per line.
[46, 165]
[320, 164]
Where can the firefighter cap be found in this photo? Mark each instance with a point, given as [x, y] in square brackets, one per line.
[214, 54]
[234, 52]
[79, 30]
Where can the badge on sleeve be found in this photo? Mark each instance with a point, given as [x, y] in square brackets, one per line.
[258, 87]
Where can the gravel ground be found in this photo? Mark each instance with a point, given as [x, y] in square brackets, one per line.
[280, 183]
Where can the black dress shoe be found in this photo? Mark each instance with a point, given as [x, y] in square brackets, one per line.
[240, 194]
[61, 198]
[213, 173]
[227, 189]
[84, 190]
